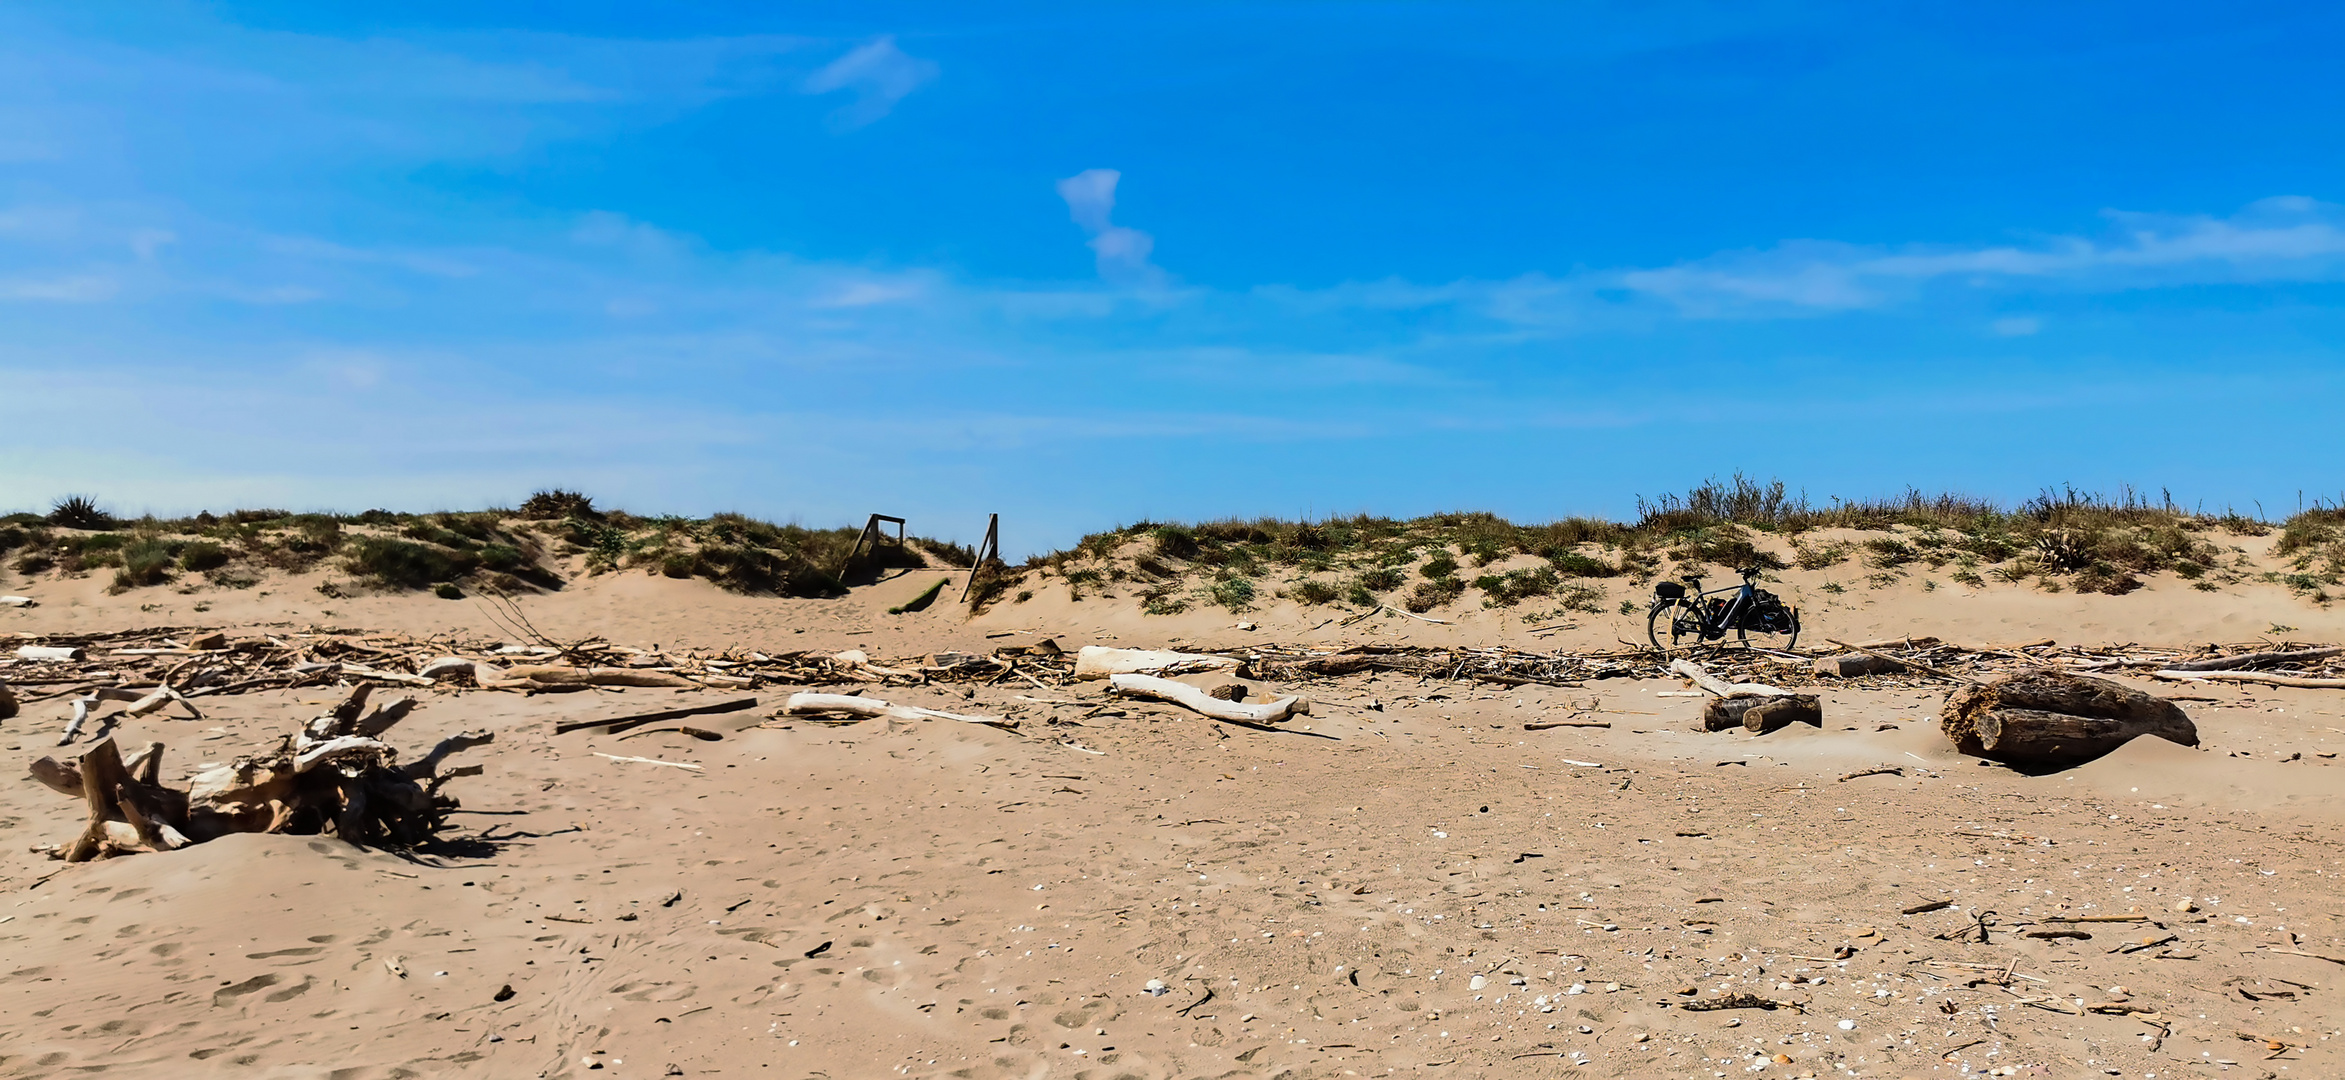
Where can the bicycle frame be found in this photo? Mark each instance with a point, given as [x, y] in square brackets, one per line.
[1746, 594]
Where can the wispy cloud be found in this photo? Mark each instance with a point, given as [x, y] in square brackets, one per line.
[1121, 253]
[2279, 239]
[878, 73]
[67, 289]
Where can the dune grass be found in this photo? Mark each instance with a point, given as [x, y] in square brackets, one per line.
[2060, 540]
[555, 534]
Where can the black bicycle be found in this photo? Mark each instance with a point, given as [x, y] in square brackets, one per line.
[1685, 615]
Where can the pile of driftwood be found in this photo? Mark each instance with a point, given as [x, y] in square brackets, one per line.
[173, 669]
[335, 776]
[1927, 659]
[1755, 707]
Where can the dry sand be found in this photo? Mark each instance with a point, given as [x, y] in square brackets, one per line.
[1408, 884]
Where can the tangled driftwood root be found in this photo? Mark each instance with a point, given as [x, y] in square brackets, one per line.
[2053, 719]
[334, 776]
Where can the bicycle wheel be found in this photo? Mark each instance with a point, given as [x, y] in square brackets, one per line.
[1763, 638]
[1676, 620]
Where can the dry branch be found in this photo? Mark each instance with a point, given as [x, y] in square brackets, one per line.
[2194, 675]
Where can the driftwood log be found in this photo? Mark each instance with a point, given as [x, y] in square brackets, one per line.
[851, 707]
[1198, 701]
[332, 776]
[2053, 719]
[551, 676]
[2266, 678]
[1761, 715]
[1853, 664]
[2258, 659]
[1700, 676]
[1100, 662]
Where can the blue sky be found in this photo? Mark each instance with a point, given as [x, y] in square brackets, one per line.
[1091, 265]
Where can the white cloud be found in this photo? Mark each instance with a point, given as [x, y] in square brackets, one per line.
[2016, 326]
[1121, 253]
[2286, 238]
[855, 294]
[70, 289]
[879, 74]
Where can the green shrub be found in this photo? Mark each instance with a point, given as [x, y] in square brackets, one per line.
[1888, 552]
[1175, 542]
[1439, 566]
[1504, 590]
[1585, 598]
[1723, 545]
[1574, 564]
[503, 558]
[405, 565]
[447, 590]
[145, 561]
[1432, 594]
[1314, 592]
[315, 534]
[1381, 579]
[1236, 594]
[960, 555]
[555, 504]
[202, 555]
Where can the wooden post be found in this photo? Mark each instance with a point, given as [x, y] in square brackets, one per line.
[988, 548]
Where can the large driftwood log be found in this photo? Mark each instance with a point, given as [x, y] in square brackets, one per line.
[1099, 662]
[1195, 700]
[864, 708]
[2053, 719]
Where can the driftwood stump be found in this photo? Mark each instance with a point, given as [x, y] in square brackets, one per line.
[1761, 715]
[2052, 719]
[332, 775]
